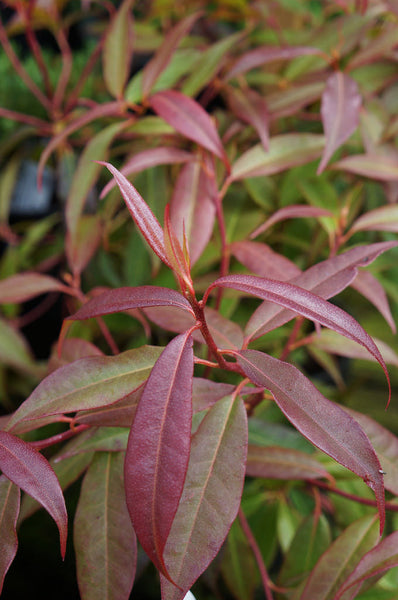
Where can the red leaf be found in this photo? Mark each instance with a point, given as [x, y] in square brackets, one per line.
[29, 470]
[251, 108]
[190, 119]
[341, 102]
[366, 284]
[376, 166]
[265, 54]
[24, 286]
[262, 260]
[9, 511]
[291, 212]
[158, 448]
[126, 298]
[384, 218]
[141, 213]
[324, 423]
[273, 462]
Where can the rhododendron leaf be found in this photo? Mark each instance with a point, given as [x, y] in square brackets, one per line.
[29, 470]
[273, 462]
[104, 540]
[118, 49]
[262, 260]
[285, 151]
[324, 423]
[375, 166]
[159, 62]
[9, 511]
[144, 218]
[341, 102]
[250, 107]
[188, 118]
[212, 494]
[88, 383]
[384, 218]
[291, 212]
[158, 448]
[382, 557]
[339, 560]
[24, 286]
[366, 284]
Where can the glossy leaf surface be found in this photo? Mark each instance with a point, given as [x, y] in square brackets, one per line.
[30, 471]
[104, 539]
[9, 510]
[211, 496]
[158, 448]
[324, 423]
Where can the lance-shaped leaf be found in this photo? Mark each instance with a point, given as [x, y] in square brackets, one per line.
[14, 350]
[366, 284]
[251, 108]
[340, 106]
[30, 471]
[118, 50]
[158, 448]
[238, 565]
[375, 166]
[293, 211]
[285, 151]
[9, 510]
[126, 298]
[265, 54]
[88, 383]
[306, 304]
[83, 243]
[384, 218]
[325, 279]
[159, 62]
[144, 218]
[378, 560]
[192, 208]
[262, 260]
[24, 286]
[163, 155]
[190, 119]
[324, 423]
[105, 542]
[273, 462]
[211, 496]
[339, 560]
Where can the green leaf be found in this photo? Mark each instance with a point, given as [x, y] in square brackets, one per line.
[238, 566]
[14, 351]
[9, 509]
[104, 538]
[118, 49]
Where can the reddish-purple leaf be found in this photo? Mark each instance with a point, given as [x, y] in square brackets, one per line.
[340, 106]
[211, 496]
[384, 218]
[192, 208]
[226, 333]
[72, 349]
[29, 470]
[262, 260]
[366, 284]
[324, 423]
[9, 511]
[251, 108]
[119, 414]
[325, 279]
[375, 166]
[205, 393]
[158, 448]
[144, 218]
[172, 319]
[291, 212]
[163, 155]
[265, 54]
[274, 462]
[126, 298]
[378, 560]
[159, 62]
[190, 119]
[83, 242]
[24, 286]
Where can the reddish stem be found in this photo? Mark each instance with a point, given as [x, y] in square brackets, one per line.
[34, 45]
[59, 437]
[292, 338]
[43, 126]
[325, 486]
[90, 64]
[67, 63]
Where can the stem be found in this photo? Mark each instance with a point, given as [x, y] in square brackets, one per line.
[59, 437]
[34, 46]
[90, 64]
[200, 317]
[67, 63]
[43, 126]
[292, 338]
[325, 486]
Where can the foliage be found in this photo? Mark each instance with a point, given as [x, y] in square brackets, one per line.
[213, 401]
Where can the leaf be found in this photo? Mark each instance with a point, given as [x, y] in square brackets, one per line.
[324, 423]
[378, 560]
[14, 351]
[119, 414]
[158, 448]
[341, 102]
[9, 510]
[126, 298]
[262, 260]
[192, 208]
[190, 119]
[105, 543]
[101, 439]
[162, 155]
[384, 218]
[375, 166]
[84, 242]
[24, 286]
[285, 151]
[339, 560]
[30, 471]
[118, 50]
[88, 383]
[265, 54]
[251, 108]
[366, 284]
[238, 565]
[273, 462]
[291, 212]
[141, 213]
[226, 333]
[211, 496]
[159, 62]
[206, 392]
